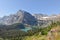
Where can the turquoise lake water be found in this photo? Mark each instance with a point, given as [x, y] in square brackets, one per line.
[26, 29]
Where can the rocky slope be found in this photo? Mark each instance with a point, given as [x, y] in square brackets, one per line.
[45, 19]
[20, 17]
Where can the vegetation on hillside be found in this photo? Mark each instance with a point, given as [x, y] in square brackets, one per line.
[16, 34]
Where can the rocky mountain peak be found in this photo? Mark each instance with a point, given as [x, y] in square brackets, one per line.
[20, 17]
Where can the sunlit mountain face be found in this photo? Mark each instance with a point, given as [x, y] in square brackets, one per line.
[20, 17]
[28, 19]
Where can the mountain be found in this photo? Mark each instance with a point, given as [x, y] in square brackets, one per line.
[20, 17]
[39, 15]
[26, 18]
[23, 25]
[42, 19]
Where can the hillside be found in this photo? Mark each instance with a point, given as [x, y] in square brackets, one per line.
[13, 32]
[53, 34]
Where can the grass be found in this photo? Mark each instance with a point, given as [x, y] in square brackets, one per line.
[35, 37]
[56, 33]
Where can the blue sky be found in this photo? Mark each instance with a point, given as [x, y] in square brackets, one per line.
[33, 6]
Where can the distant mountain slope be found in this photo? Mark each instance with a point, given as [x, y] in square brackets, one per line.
[20, 17]
[26, 18]
[38, 16]
[12, 27]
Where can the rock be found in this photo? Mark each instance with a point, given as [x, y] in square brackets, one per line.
[20, 17]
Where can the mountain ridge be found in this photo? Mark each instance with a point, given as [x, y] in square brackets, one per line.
[27, 18]
[20, 17]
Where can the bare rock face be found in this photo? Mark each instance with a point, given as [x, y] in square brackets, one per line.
[20, 17]
[41, 19]
[44, 19]
[39, 16]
